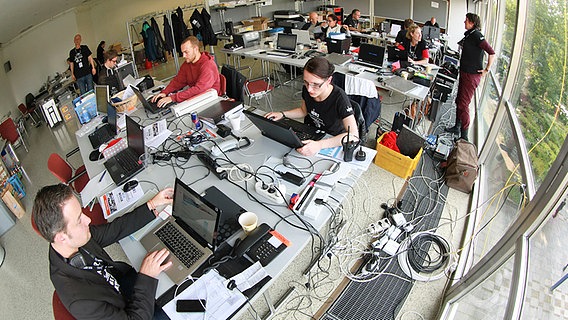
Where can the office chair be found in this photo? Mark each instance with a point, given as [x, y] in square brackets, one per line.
[11, 133]
[28, 113]
[59, 310]
[259, 88]
[63, 171]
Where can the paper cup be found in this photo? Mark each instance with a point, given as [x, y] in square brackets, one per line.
[271, 45]
[248, 221]
[404, 75]
[428, 69]
[235, 120]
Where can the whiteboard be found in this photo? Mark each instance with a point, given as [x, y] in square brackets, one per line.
[348, 5]
[399, 10]
[423, 11]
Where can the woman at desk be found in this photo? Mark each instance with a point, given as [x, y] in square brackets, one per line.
[415, 46]
[331, 26]
[324, 106]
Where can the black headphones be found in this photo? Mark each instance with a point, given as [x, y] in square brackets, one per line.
[77, 260]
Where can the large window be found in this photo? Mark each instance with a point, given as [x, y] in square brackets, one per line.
[501, 195]
[488, 300]
[547, 266]
[487, 107]
[503, 60]
[540, 96]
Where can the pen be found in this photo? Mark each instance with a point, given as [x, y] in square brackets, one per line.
[102, 176]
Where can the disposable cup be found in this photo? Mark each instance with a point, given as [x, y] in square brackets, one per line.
[248, 221]
[235, 120]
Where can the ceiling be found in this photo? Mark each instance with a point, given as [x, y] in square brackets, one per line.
[18, 16]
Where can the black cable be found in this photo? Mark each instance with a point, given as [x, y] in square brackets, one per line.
[418, 255]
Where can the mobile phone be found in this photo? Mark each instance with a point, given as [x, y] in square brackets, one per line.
[190, 306]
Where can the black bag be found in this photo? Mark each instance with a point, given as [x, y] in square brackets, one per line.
[461, 169]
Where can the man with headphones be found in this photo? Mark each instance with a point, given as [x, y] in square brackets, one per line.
[89, 283]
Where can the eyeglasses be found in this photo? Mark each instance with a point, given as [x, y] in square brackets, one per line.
[313, 85]
[114, 60]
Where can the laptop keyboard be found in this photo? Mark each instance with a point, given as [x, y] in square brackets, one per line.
[179, 245]
[300, 130]
[127, 160]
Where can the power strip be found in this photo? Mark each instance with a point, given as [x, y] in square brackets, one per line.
[329, 177]
[376, 228]
[271, 191]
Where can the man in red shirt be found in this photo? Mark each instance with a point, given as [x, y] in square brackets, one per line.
[199, 72]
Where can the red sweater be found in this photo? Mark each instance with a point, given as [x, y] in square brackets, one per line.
[199, 76]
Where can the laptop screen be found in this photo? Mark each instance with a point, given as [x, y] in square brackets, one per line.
[275, 130]
[135, 136]
[195, 215]
[372, 54]
[430, 32]
[101, 94]
[286, 42]
[303, 36]
[123, 72]
[111, 115]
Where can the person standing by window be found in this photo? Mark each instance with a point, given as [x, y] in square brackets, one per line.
[82, 65]
[473, 45]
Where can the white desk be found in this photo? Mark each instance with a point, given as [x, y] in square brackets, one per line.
[255, 155]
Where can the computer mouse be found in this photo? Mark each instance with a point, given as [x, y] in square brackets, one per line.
[95, 155]
[130, 185]
[294, 56]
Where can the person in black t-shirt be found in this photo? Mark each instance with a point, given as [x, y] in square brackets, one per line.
[324, 106]
[415, 46]
[109, 74]
[82, 65]
[401, 35]
[352, 20]
[432, 23]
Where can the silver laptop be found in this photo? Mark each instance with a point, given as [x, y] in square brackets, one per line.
[285, 45]
[303, 36]
[189, 234]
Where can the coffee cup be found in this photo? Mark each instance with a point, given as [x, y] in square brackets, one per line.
[235, 120]
[271, 45]
[248, 221]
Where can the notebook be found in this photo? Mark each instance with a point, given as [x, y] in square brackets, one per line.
[286, 131]
[152, 107]
[371, 55]
[285, 44]
[303, 36]
[127, 163]
[409, 142]
[189, 234]
[106, 132]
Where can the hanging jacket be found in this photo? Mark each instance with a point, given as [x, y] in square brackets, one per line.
[209, 36]
[149, 42]
[371, 107]
[160, 43]
[168, 37]
[180, 29]
[197, 25]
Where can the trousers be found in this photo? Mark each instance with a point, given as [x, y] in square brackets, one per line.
[467, 84]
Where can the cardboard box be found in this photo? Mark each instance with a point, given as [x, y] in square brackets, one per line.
[12, 202]
[395, 162]
[258, 23]
[241, 28]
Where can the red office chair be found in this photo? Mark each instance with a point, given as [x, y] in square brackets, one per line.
[28, 114]
[64, 172]
[59, 310]
[223, 85]
[11, 133]
[259, 88]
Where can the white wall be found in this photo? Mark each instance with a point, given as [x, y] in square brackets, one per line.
[456, 28]
[7, 101]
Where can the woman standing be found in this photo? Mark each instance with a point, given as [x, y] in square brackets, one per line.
[471, 70]
[324, 106]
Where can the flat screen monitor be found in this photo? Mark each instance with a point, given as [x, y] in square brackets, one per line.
[102, 97]
[286, 42]
[123, 72]
[430, 32]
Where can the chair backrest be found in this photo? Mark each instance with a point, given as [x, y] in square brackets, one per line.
[223, 84]
[59, 310]
[235, 82]
[59, 168]
[23, 109]
[360, 120]
[30, 100]
[8, 130]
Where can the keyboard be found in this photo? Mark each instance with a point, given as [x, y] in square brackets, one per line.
[127, 160]
[301, 131]
[279, 53]
[179, 245]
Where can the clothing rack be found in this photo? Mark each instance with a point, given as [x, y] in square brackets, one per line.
[168, 13]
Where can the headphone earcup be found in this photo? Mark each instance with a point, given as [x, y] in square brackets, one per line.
[77, 260]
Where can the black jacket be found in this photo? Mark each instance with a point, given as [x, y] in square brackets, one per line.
[86, 294]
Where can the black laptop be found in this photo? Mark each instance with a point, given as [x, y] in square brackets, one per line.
[371, 55]
[152, 107]
[106, 132]
[127, 163]
[289, 132]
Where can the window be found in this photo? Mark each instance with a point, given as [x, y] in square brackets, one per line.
[488, 300]
[503, 58]
[487, 107]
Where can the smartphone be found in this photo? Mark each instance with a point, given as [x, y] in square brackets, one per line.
[190, 306]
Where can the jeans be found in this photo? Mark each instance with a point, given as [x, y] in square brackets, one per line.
[85, 83]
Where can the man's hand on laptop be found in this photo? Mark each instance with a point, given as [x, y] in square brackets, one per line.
[164, 101]
[158, 97]
[275, 116]
[163, 198]
[153, 263]
[310, 147]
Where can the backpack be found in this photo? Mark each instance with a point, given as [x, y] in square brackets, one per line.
[461, 168]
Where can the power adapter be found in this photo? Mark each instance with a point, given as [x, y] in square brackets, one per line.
[292, 178]
[223, 130]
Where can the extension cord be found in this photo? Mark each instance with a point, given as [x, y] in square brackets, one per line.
[330, 178]
[387, 245]
[271, 191]
[376, 228]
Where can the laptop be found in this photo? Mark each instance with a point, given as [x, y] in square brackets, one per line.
[371, 55]
[286, 131]
[409, 142]
[219, 110]
[189, 234]
[152, 107]
[303, 36]
[285, 45]
[126, 164]
[106, 132]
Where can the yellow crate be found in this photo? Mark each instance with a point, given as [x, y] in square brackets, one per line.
[395, 162]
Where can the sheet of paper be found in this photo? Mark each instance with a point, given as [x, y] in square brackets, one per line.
[248, 278]
[156, 133]
[220, 302]
[117, 200]
[337, 154]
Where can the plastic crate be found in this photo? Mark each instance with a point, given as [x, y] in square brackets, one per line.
[395, 162]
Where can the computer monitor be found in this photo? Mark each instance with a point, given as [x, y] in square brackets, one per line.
[430, 32]
[286, 42]
[123, 72]
[371, 54]
[102, 97]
